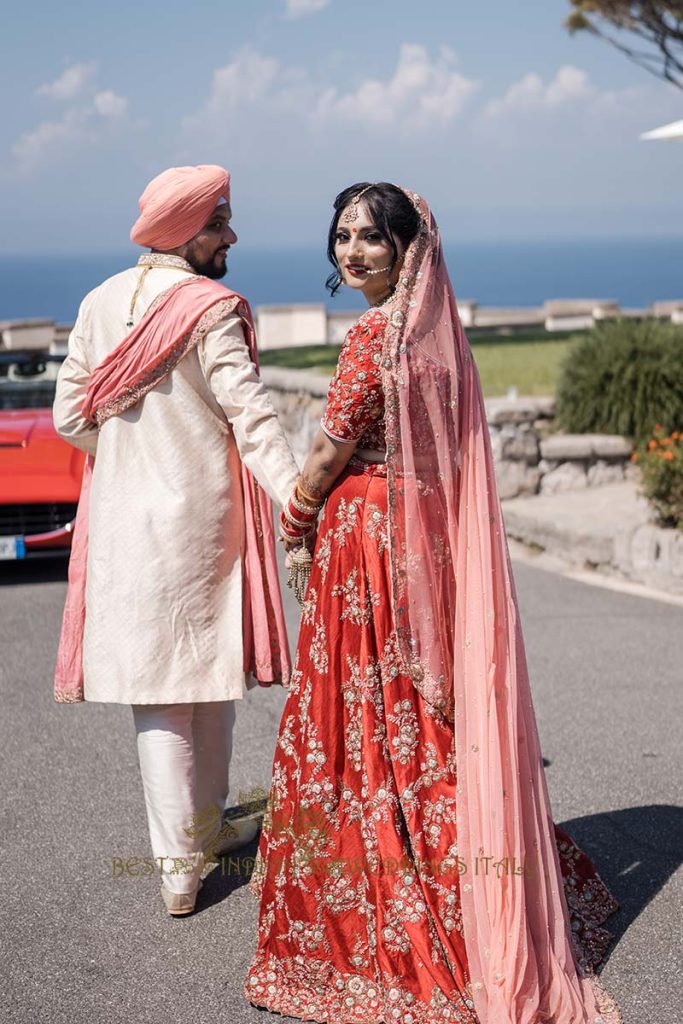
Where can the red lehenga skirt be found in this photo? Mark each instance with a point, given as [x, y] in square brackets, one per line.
[358, 869]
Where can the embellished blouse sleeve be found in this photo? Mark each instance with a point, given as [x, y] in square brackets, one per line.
[355, 398]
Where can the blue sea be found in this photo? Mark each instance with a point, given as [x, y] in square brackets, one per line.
[634, 272]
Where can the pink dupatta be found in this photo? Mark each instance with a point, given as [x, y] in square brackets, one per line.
[457, 622]
[176, 322]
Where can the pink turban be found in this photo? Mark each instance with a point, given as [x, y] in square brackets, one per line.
[176, 205]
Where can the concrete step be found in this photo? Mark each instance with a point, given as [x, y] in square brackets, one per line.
[609, 528]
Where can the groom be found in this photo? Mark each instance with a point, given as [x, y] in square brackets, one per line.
[173, 599]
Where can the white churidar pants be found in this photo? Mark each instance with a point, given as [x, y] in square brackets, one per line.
[184, 752]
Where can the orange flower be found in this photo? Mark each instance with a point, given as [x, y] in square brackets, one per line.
[634, 457]
[651, 445]
[668, 456]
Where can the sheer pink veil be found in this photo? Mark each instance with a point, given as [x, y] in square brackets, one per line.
[459, 634]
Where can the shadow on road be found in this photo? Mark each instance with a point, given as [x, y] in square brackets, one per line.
[231, 873]
[47, 569]
[635, 852]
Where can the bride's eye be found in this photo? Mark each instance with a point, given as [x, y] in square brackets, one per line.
[341, 236]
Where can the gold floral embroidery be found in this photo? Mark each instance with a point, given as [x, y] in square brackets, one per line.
[309, 606]
[323, 553]
[348, 517]
[362, 836]
[376, 526]
[319, 655]
[358, 607]
[355, 400]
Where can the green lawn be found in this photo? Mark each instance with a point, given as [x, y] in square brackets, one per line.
[530, 361]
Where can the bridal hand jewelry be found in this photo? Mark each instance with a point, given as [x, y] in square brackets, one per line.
[300, 564]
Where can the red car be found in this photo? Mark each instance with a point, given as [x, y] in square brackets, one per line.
[40, 474]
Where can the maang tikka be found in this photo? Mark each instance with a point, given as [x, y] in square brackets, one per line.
[351, 212]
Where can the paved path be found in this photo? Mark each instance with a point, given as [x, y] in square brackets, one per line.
[83, 947]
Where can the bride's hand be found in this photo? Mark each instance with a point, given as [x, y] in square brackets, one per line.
[293, 545]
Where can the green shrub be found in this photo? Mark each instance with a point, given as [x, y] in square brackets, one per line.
[623, 378]
[661, 466]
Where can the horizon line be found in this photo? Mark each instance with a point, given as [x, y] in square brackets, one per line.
[308, 247]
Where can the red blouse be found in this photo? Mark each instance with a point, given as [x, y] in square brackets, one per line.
[355, 400]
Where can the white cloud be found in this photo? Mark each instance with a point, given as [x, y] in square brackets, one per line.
[422, 90]
[300, 8]
[71, 81]
[77, 124]
[109, 104]
[245, 81]
[569, 85]
[89, 115]
[29, 150]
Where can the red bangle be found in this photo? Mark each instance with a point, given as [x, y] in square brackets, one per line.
[290, 531]
[295, 522]
[296, 516]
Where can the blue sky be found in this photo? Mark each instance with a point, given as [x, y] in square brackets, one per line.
[510, 127]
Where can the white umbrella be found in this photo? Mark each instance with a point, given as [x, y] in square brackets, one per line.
[667, 131]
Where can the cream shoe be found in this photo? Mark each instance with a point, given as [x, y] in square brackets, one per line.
[235, 833]
[179, 904]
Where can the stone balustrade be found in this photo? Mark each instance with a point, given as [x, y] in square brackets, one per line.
[301, 324]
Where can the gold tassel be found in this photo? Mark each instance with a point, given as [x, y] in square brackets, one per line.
[300, 564]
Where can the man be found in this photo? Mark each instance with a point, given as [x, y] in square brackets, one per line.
[173, 591]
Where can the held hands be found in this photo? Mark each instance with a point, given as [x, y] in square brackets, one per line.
[298, 529]
[294, 545]
[298, 519]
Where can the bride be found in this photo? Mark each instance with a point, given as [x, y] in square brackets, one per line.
[409, 868]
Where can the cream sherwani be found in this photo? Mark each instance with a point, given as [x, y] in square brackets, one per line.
[164, 583]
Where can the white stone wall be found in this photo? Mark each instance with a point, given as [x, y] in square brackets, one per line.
[529, 458]
[290, 326]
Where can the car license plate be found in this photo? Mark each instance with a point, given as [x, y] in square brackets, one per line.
[12, 547]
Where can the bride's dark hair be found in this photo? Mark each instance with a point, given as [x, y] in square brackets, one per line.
[392, 213]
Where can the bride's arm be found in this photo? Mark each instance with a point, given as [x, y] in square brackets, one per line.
[354, 401]
[326, 460]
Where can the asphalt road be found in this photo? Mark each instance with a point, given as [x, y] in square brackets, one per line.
[80, 945]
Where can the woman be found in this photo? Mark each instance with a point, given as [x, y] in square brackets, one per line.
[409, 869]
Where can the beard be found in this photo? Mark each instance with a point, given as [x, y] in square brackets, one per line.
[215, 268]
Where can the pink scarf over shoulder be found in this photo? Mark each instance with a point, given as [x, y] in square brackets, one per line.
[176, 322]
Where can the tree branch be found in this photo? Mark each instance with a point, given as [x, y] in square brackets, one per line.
[656, 22]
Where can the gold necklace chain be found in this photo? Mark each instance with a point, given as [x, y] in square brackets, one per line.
[148, 261]
[383, 302]
[136, 293]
